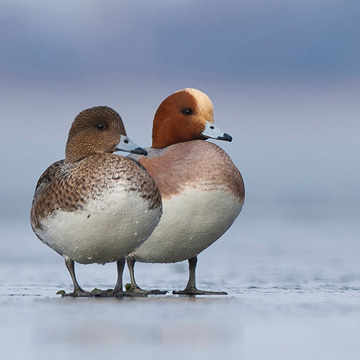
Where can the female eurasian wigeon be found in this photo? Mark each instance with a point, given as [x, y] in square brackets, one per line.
[94, 206]
[202, 190]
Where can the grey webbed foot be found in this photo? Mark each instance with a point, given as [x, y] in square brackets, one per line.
[114, 293]
[195, 291]
[76, 293]
[191, 288]
[134, 289]
[118, 293]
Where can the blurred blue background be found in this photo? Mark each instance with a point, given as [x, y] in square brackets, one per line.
[283, 77]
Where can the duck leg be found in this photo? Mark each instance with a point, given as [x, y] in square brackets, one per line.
[190, 288]
[134, 288]
[118, 289]
[78, 291]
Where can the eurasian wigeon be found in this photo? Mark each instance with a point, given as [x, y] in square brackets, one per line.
[95, 206]
[202, 190]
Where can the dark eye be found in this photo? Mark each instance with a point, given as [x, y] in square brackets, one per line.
[187, 111]
[100, 126]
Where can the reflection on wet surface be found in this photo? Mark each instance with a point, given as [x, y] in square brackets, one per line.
[301, 287]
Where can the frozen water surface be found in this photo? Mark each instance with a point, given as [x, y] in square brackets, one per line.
[289, 297]
[284, 80]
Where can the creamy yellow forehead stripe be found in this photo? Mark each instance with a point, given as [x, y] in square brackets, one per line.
[203, 101]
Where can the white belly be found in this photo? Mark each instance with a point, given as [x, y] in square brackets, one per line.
[104, 231]
[190, 223]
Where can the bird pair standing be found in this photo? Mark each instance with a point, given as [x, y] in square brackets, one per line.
[160, 205]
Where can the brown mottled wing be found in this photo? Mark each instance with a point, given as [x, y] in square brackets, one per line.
[47, 177]
[68, 186]
[41, 204]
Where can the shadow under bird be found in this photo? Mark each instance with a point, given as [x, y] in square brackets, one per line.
[202, 190]
[95, 206]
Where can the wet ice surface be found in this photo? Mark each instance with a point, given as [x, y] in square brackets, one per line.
[294, 293]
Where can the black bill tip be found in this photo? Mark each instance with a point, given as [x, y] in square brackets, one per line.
[139, 151]
[225, 137]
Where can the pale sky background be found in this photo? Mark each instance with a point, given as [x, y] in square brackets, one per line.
[283, 77]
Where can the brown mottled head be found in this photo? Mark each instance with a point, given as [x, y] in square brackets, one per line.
[94, 130]
[97, 130]
[183, 116]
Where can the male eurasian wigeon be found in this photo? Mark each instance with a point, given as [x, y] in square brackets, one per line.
[202, 190]
[95, 206]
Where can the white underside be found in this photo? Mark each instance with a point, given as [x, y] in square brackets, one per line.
[118, 223]
[190, 223]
